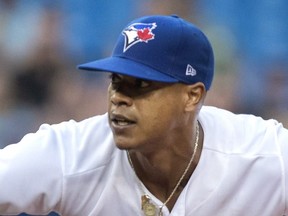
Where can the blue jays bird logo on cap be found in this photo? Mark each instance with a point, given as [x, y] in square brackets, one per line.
[138, 32]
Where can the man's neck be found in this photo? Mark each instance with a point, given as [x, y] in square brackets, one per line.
[160, 171]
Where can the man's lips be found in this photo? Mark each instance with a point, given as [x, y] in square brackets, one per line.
[119, 120]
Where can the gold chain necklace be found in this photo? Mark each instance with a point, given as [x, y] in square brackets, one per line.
[149, 208]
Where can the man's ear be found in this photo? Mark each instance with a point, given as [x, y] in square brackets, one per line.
[196, 94]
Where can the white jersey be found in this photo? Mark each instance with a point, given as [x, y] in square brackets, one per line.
[74, 168]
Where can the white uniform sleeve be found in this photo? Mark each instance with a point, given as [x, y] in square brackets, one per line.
[31, 174]
[283, 141]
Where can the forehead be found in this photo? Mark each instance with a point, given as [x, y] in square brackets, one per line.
[152, 85]
[136, 85]
[126, 78]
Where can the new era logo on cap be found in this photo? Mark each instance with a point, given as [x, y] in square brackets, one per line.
[138, 32]
[190, 71]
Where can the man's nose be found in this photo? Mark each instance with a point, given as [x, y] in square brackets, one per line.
[120, 98]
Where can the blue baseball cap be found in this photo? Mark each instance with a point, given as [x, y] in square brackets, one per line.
[160, 48]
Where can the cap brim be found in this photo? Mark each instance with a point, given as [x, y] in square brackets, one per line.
[127, 67]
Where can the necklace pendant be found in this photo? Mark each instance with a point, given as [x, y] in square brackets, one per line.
[148, 208]
[144, 199]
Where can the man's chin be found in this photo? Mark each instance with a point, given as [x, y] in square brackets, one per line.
[123, 146]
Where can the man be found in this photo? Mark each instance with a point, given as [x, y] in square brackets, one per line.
[158, 150]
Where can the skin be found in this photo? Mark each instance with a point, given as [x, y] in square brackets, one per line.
[156, 123]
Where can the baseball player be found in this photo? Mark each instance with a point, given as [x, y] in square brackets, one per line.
[158, 150]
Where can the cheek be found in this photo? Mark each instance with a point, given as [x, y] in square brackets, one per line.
[159, 115]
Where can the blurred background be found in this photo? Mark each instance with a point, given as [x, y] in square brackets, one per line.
[42, 42]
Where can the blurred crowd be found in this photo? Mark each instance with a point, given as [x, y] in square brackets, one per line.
[42, 42]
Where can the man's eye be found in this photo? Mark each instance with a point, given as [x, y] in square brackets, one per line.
[142, 83]
[117, 80]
